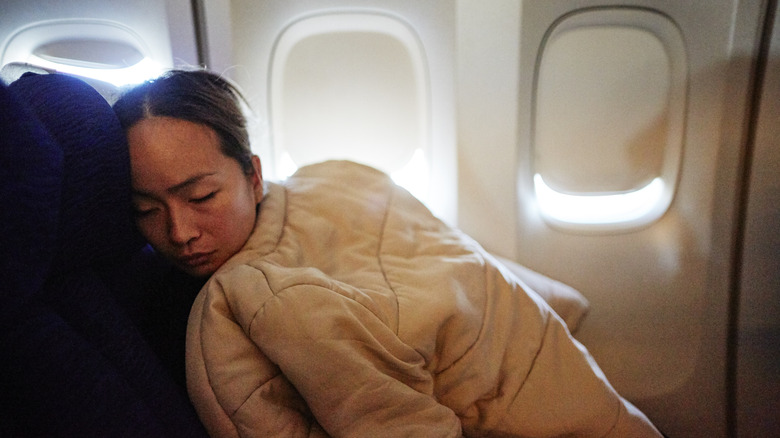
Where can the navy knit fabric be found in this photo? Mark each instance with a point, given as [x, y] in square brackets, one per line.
[95, 223]
[72, 363]
[30, 186]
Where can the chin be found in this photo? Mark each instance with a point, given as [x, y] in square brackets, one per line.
[201, 271]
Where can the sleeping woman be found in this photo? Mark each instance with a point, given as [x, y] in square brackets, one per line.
[336, 304]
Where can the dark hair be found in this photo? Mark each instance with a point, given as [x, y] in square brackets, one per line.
[197, 96]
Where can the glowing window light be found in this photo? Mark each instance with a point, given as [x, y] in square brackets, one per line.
[286, 166]
[413, 176]
[592, 211]
[134, 74]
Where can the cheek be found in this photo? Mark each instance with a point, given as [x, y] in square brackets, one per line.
[242, 220]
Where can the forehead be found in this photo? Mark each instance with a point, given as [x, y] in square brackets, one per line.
[165, 151]
[158, 137]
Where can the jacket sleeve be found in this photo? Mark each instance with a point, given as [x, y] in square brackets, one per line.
[237, 390]
[271, 360]
[355, 374]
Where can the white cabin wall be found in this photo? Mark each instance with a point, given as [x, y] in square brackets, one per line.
[181, 31]
[217, 33]
[485, 81]
[488, 50]
[256, 26]
[660, 295]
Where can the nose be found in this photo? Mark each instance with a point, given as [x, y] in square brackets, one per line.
[182, 227]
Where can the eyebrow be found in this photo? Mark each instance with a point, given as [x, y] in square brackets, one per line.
[179, 186]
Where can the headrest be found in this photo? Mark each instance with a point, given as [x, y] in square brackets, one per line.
[95, 224]
[30, 181]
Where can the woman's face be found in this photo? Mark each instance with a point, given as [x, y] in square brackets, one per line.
[193, 203]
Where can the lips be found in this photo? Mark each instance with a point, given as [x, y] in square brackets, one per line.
[196, 259]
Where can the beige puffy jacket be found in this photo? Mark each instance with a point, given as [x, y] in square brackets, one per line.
[352, 311]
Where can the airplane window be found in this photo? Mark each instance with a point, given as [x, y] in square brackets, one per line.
[94, 49]
[351, 86]
[608, 119]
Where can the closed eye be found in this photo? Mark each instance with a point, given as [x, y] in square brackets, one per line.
[203, 198]
[143, 212]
